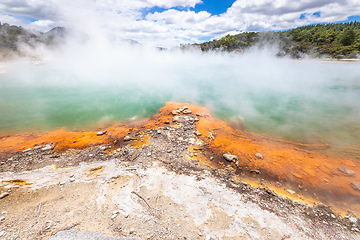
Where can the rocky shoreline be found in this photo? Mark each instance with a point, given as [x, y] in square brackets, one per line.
[152, 183]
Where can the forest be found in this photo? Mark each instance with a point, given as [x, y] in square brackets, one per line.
[340, 40]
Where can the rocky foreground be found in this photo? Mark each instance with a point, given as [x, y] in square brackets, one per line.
[154, 182]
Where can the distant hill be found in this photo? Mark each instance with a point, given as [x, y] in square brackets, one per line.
[341, 40]
[14, 38]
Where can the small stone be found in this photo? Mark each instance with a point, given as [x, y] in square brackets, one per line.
[257, 171]
[102, 148]
[187, 112]
[346, 171]
[158, 131]
[355, 186]
[148, 154]
[27, 150]
[47, 147]
[231, 158]
[200, 234]
[197, 133]
[333, 216]
[74, 141]
[196, 119]
[169, 151]
[2, 219]
[198, 114]
[62, 183]
[211, 158]
[72, 179]
[176, 119]
[258, 155]
[113, 216]
[101, 133]
[352, 219]
[127, 138]
[167, 122]
[4, 194]
[175, 112]
[2, 233]
[290, 191]
[132, 231]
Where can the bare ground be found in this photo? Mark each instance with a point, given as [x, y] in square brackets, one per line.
[161, 190]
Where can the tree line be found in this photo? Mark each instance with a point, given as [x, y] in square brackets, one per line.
[340, 40]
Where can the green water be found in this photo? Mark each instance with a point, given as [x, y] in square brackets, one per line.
[292, 100]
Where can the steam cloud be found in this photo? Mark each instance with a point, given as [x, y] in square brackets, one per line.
[94, 77]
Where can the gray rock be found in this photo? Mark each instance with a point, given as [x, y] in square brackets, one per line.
[101, 133]
[102, 148]
[4, 194]
[74, 234]
[127, 138]
[258, 155]
[346, 171]
[197, 133]
[176, 119]
[175, 112]
[47, 147]
[355, 186]
[27, 150]
[290, 191]
[231, 158]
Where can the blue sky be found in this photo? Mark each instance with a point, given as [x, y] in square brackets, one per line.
[173, 22]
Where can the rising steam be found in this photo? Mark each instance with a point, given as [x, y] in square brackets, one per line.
[96, 77]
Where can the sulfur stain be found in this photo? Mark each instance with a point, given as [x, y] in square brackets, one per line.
[96, 170]
[291, 164]
[18, 182]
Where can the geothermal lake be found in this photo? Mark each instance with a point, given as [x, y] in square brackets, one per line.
[303, 100]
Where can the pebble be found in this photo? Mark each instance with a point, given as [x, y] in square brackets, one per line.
[159, 131]
[48, 147]
[346, 171]
[102, 148]
[176, 119]
[187, 112]
[2, 219]
[132, 231]
[148, 154]
[197, 133]
[355, 186]
[290, 191]
[231, 158]
[258, 155]
[4, 194]
[2, 233]
[127, 138]
[101, 133]
[175, 112]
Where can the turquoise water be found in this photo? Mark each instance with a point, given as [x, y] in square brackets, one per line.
[293, 100]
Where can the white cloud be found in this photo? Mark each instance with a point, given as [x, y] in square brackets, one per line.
[126, 18]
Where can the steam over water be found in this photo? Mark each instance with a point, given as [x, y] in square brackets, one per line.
[86, 85]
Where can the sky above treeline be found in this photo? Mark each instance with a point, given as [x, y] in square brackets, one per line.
[172, 22]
